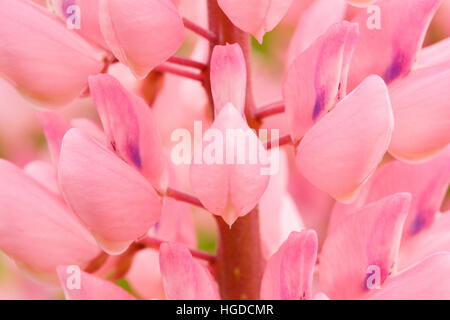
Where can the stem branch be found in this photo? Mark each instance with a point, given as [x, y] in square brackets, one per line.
[154, 243]
[187, 62]
[279, 142]
[180, 72]
[184, 197]
[208, 35]
[270, 110]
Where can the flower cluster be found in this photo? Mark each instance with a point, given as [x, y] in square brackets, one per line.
[338, 190]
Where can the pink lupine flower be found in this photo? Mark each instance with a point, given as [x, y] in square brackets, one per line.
[130, 128]
[289, 272]
[426, 182]
[230, 190]
[40, 212]
[372, 122]
[317, 78]
[378, 229]
[396, 63]
[54, 65]
[125, 27]
[183, 277]
[117, 217]
[401, 49]
[222, 186]
[357, 207]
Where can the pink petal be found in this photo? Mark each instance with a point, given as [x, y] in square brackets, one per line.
[90, 128]
[144, 275]
[43, 59]
[344, 148]
[37, 229]
[317, 78]
[45, 174]
[129, 124]
[116, 203]
[432, 240]
[427, 280]
[289, 272]
[391, 50]
[313, 205]
[434, 54]
[276, 228]
[89, 17]
[176, 223]
[255, 16]
[421, 106]
[314, 22]
[54, 126]
[426, 182]
[143, 33]
[228, 77]
[228, 188]
[369, 237]
[183, 277]
[90, 287]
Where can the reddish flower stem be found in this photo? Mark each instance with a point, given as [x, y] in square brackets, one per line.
[184, 197]
[187, 62]
[155, 243]
[208, 35]
[270, 110]
[280, 142]
[180, 72]
[240, 263]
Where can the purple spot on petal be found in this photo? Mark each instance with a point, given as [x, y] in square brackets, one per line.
[134, 154]
[418, 224]
[319, 105]
[396, 68]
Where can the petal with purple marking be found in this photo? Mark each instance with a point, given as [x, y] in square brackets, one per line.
[366, 242]
[316, 79]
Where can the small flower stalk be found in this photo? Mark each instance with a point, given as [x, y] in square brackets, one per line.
[221, 149]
